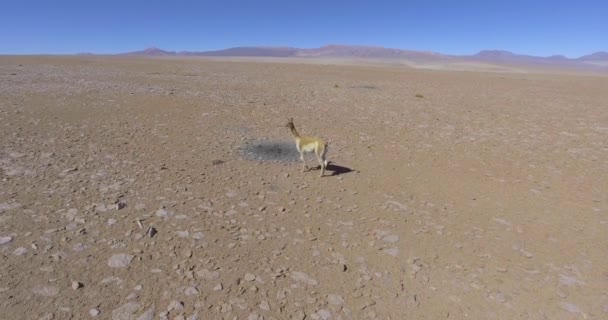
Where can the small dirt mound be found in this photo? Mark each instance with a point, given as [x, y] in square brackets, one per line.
[271, 150]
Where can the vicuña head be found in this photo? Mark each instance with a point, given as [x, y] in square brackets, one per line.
[309, 144]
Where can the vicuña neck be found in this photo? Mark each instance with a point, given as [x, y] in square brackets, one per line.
[295, 132]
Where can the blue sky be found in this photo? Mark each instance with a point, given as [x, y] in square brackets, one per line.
[542, 27]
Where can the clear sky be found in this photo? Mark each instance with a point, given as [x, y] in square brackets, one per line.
[538, 27]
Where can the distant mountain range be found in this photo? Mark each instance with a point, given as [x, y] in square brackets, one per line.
[594, 60]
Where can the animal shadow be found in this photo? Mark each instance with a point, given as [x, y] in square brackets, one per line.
[336, 169]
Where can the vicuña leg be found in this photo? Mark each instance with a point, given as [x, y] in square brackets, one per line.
[321, 164]
[305, 167]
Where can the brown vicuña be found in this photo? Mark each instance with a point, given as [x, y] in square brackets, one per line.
[309, 144]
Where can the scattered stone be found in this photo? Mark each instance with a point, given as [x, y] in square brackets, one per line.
[151, 232]
[391, 251]
[324, 314]
[304, 278]
[125, 312]
[162, 213]
[264, 305]
[335, 299]
[94, 312]
[249, 277]
[572, 308]
[182, 234]
[198, 236]
[121, 260]
[392, 238]
[208, 275]
[218, 287]
[46, 291]
[76, 285]
[175, 305]
[121, 205]
[191, 291]
[148, 314]
[111, 222]
[20, 251]
[5, 240]
[47, 316]
[299, 315]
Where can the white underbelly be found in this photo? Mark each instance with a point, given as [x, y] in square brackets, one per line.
[308, 148]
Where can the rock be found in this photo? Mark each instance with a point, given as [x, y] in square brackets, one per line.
[193, 317]
[148, 314]
[392, 238]
[5, 240]
[175, 305]
[198, 236]
[76, 285]
[324, 314]
[182, 234]
[151, 232]
[218, 287]
[208, 275]
[162, 213]
[304, 278]
[572, 308]
[191, 291]
[94, 312]
[249, 277]
[299, 315]
[46, 291]
[121, 205]
[47, 316]
[391, 251]
[264, 305]
[138, 288]
[125, 312]
[335, 299]
[121, 260]
[20, 251]
[111, 222]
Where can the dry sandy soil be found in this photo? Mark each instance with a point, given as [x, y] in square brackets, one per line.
[486, 198]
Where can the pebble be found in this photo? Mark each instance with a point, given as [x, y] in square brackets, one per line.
[324, 314]
[335, 299]
[208, 275]
[76, 285]
[249, 277]
[46, 291]
[304, 278]
[264, 305]
[120, 260]
[20, 251]
[125, 311]
[392, 238]
[218, 287]
[5, 240]
[391, 251]
[94, 312]
[175, 305]
[191, 291]
[148, 314]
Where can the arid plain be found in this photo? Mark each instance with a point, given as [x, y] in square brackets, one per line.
[126, 193]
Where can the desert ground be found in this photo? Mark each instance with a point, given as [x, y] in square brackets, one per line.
[131, 189]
